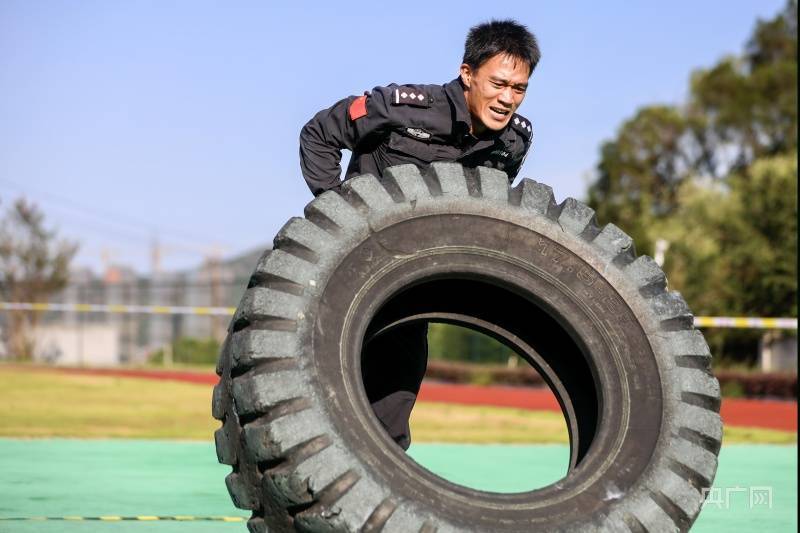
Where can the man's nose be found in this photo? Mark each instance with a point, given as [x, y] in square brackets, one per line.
[506, 96]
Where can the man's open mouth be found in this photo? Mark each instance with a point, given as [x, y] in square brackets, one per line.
[502, 112]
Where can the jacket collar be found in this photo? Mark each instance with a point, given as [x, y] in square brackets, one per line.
[455, 93]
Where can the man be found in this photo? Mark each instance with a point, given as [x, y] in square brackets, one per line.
[471, 120]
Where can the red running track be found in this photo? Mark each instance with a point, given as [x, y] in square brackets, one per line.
[769, 414]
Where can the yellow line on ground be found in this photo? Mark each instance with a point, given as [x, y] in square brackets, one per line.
[114, 518]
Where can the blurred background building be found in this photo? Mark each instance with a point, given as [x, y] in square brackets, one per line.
[109, 338]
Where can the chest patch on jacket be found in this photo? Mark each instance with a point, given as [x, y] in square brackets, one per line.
[418, 133]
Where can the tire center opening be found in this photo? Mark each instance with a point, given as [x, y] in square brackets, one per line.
[391, 344]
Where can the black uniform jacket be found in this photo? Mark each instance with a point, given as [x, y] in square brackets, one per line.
[401, 124]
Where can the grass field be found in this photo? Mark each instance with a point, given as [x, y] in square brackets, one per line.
[50, 404]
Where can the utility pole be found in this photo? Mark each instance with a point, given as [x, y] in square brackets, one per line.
[155, 273]
[155, 256]
[215, 278]
[81, 299]
[213, 273]
[662, 245]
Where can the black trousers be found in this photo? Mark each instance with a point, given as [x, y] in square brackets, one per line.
[393, 365]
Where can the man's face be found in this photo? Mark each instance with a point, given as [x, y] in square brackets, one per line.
[494, 91]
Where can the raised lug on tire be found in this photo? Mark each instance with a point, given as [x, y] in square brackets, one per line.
[256, 394]
[494, 184]
[409, 180]
[242, 493]
[575, 216]
[451, 178]
[536, 197]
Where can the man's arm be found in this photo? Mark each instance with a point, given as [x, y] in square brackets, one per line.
[341, 126]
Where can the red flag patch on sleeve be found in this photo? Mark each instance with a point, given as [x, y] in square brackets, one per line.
[358, 108]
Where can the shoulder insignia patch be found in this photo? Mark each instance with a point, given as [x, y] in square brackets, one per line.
[522, 125]
[358, 108]
[410, 96]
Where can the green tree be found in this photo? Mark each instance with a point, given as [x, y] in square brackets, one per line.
[763, 259]
[739, 110]
[717, 178]
[734, 247]
[763, 256]
[746, 107]
[640, 171]
[34, 263]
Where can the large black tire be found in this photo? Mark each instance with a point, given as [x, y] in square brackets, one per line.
[462, 246]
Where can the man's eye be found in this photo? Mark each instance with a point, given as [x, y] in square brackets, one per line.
[497, 85]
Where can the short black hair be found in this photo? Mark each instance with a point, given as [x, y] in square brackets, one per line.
[486, 40]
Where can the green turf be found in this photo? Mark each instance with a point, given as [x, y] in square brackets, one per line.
[64, 477]
[59, 477]
[495, 467]
[749, 467]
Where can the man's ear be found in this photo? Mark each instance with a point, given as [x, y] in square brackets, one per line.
[466, 75]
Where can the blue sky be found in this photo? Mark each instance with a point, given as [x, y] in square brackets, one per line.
[129, 121]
